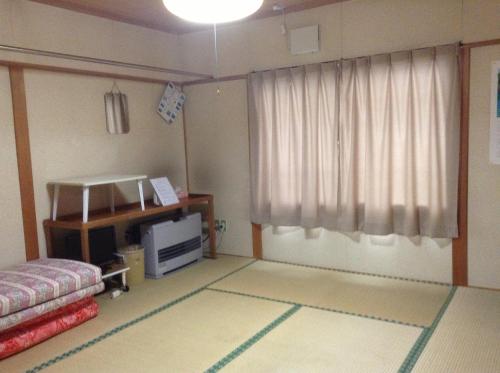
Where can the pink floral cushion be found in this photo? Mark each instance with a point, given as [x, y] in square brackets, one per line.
[38, 281]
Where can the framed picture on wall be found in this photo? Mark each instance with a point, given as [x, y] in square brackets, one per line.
[495, 114]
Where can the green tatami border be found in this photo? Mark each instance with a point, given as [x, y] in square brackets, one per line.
[319, 308]
[356, 272]
[251, 341]
[425, 336]
[128, 324]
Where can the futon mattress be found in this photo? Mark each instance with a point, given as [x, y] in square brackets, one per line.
[44, 327]
[42, 280]
[17, 318]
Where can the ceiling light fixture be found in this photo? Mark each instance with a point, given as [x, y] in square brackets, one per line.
[212, 11]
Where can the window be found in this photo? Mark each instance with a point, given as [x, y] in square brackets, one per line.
[368, 144]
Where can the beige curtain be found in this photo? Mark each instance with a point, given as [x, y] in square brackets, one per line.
[369, 144]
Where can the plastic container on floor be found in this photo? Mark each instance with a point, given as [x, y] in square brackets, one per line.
[133, 257]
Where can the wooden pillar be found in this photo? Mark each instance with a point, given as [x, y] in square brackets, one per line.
[211, 228]
[459, 245]
[24, 161]
[257, 240]
[186, 159]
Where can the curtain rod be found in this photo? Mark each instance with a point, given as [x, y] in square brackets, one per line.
[38, 52]
[216, 80]
[245, 76]
[457, 44]
[99, 74]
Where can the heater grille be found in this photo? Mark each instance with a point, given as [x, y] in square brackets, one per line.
[179, 249]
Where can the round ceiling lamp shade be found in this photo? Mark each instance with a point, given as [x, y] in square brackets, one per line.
[212, 11]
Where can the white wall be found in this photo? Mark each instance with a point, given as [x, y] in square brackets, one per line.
[484, 177]
[348, 29]
[11, 225]
[420, 258]
[481, 20]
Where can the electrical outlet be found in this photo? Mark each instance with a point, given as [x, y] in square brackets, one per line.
[220, 225]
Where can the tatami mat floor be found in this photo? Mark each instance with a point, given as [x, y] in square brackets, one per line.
[236, 314]
[408, 302]
[467, 338]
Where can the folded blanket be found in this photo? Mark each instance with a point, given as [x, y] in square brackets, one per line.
[10, 321]
[46, 326]
[39, 281]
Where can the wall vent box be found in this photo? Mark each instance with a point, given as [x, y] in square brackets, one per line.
[304, 40]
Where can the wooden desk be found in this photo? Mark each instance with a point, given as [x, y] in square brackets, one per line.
[103, 217]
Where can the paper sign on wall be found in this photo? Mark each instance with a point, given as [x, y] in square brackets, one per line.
[171, 103]
[164, 191]
[495, 114]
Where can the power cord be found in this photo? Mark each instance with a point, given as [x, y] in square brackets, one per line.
[219, 238]
[207, 236]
